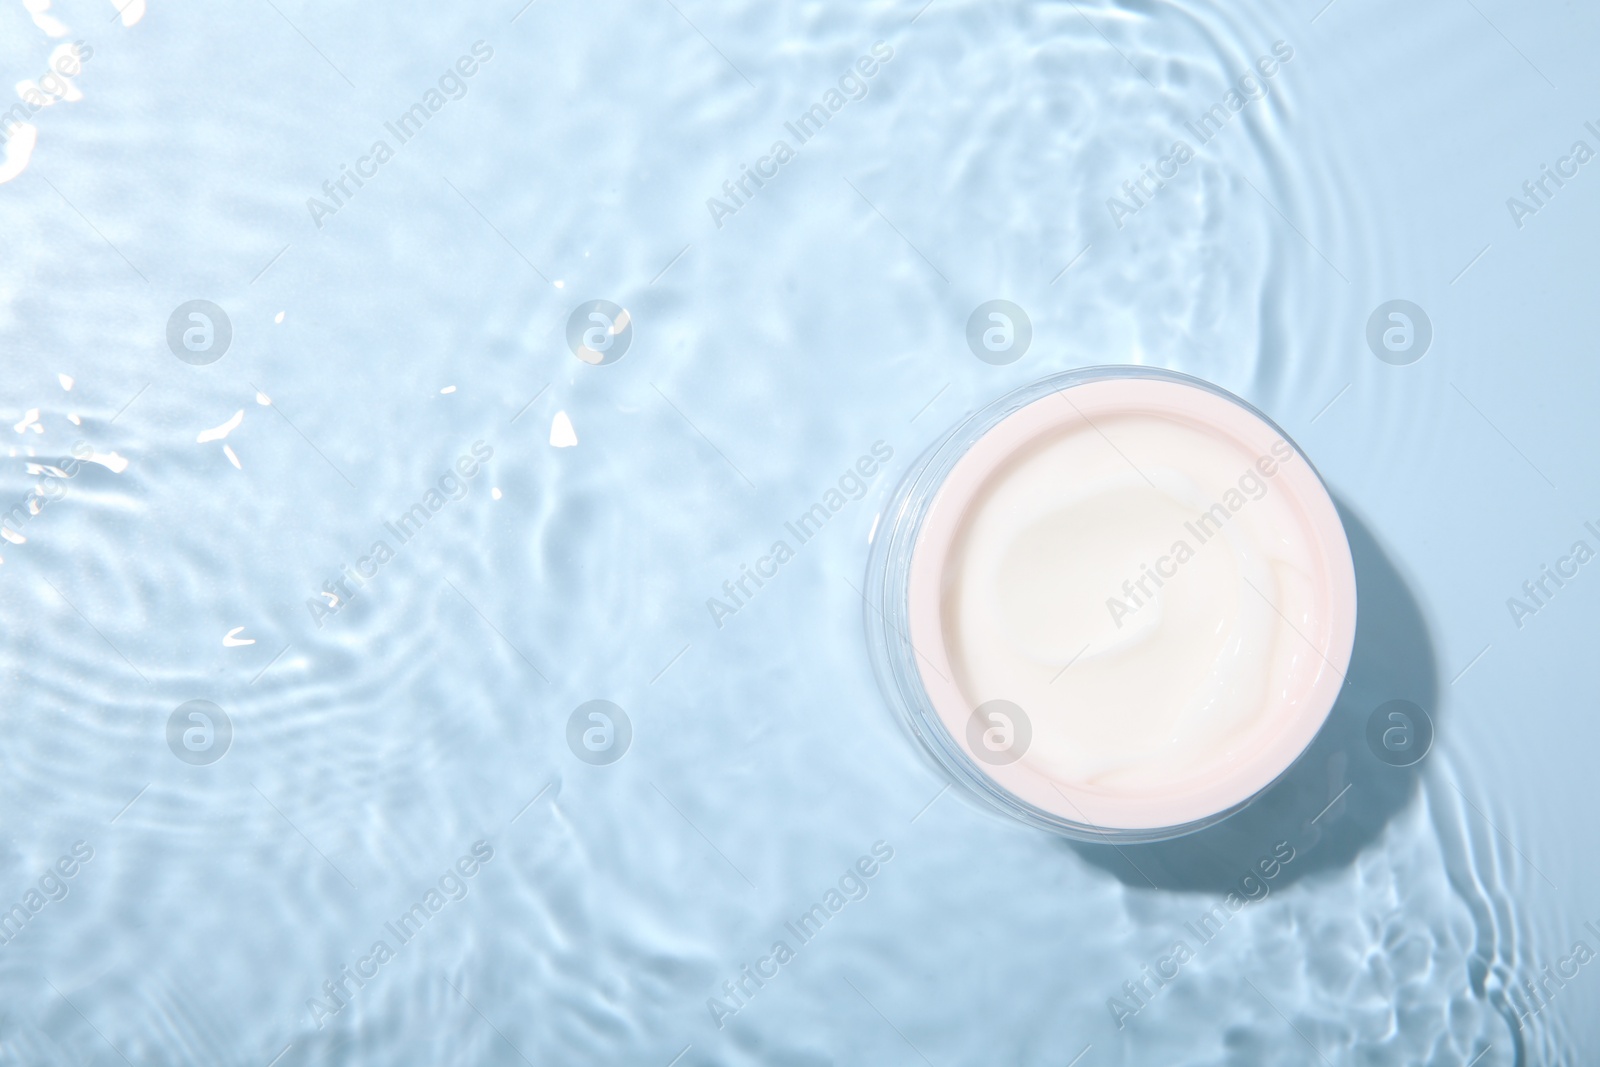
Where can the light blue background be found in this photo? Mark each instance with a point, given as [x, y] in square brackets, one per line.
[767, 355]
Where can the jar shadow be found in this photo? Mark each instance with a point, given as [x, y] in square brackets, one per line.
[1342, 792]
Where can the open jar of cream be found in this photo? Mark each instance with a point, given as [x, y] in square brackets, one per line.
[1117, 603]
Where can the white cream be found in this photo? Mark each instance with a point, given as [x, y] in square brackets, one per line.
[1157, 580]
[1057, 602]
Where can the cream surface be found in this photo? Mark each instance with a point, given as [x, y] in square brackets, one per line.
[1158, 581]
[1139, 629]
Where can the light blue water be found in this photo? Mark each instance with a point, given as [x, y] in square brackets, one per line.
[374, 747]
